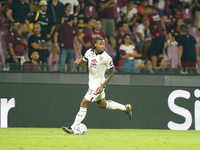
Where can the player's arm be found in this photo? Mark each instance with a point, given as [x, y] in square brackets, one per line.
[80, 62]
[108, 78]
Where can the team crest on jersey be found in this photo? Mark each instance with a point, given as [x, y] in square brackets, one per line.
[101, 58]
[91, 55]
[93, 63]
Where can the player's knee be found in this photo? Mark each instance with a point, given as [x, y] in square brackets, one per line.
[85, 103]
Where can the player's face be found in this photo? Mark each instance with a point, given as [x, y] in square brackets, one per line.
[100, 45]
[98, 25]
[35, 56]
[43, 8]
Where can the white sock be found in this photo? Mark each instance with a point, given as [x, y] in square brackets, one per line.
[114, 105]
[79, 117]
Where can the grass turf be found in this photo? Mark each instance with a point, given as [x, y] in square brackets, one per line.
[98, 139]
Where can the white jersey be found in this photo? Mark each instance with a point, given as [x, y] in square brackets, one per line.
[97, 64]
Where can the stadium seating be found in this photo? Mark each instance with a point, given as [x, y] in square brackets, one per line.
[195, 32]
[189, 20]
[187, 13]
[116, 12]
[90, 11]
[109, 49]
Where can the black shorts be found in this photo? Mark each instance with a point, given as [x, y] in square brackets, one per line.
[157, 46]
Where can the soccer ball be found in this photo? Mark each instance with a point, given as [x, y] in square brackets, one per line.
[80, 129]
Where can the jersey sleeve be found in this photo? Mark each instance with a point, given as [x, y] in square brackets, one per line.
[109, 63]
[85, 57]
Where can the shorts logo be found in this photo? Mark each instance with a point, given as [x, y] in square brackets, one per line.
[93, 63]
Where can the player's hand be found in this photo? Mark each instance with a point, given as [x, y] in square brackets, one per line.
[179, 63]
[88, 44]
[77, 61]
[99, 89]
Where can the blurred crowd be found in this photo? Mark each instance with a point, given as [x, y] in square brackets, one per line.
[163, 34]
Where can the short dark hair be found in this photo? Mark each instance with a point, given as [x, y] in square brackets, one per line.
[149, 6]
[184, 28]
[124, 23]
[146, 61]
[164, 15]
[155, 1]
[143, 1]
[34, 52]
[126, 34]
[91, 19]
[98, 20]
[67, 4]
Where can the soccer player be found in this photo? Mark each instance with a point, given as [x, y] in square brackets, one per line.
[98, 61]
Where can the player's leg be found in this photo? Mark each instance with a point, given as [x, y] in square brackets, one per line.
[79, 117]
[109, 104]
[82, 112]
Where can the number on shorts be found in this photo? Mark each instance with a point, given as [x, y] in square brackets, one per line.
[90, 91]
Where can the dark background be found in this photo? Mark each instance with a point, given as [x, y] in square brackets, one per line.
[54, 105]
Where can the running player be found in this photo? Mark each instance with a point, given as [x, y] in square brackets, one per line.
[98, 61]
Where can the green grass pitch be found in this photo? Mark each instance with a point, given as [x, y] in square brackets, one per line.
[98, 139]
